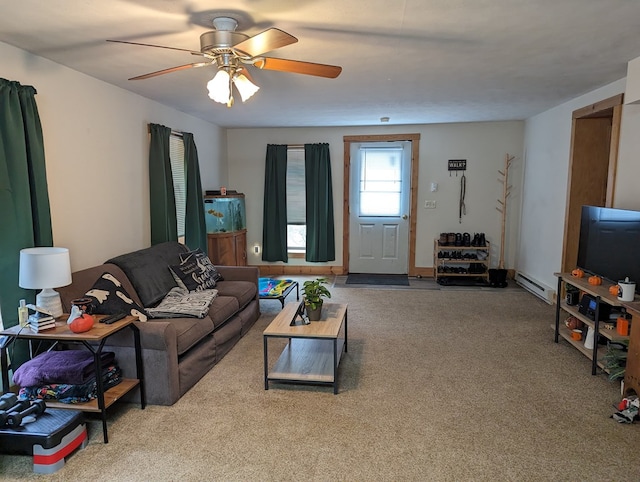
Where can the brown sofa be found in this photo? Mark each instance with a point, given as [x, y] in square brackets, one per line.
[176, 352]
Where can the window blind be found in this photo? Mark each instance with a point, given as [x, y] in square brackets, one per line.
[176, 154]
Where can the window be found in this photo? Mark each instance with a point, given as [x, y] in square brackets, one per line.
[176, 154]
[380, 181]
[296, 204]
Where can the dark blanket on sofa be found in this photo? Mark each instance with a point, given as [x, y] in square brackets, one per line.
[148, 270]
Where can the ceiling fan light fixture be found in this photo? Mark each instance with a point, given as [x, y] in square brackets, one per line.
[245, 87]
[219, 87]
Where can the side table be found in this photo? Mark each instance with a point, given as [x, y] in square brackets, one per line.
[94, 340]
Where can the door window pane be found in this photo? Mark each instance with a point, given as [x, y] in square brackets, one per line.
[380, 181]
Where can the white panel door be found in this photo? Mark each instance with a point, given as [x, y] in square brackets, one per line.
[380, 175]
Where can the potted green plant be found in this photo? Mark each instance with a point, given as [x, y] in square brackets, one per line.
[313, 291]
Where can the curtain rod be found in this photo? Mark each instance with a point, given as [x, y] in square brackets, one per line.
[173, 131]
[295, 146]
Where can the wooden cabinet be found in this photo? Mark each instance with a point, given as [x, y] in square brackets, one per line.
[228, 249]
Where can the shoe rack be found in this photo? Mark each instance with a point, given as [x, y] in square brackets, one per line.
[460, 259]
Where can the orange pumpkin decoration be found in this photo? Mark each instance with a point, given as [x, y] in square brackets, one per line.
[82, 323]
[578, 273]
[613, 290]
[595, 280]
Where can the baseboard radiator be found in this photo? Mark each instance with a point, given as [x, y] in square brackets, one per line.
[536, 287]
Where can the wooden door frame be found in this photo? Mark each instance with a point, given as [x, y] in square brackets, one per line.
[610, 109]
[413, 192]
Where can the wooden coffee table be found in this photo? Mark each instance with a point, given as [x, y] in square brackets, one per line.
[313, 352]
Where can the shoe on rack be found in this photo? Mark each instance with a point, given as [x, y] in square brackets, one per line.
[466, 239]
[481, 240]
[458, 239]
[443, 241]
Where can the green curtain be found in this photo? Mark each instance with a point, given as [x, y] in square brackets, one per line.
[164, 224]
[25, 217]
[319, 196]
[195, 229]
[274, 215]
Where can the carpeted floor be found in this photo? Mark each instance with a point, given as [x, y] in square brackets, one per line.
[377, 279]
[438, 385]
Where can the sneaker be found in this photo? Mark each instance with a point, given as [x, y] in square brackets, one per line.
[466, 239]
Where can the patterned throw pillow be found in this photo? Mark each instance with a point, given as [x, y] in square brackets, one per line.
[110, 298]
[196, 272]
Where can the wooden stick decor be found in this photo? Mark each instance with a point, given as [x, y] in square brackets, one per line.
[502, 208]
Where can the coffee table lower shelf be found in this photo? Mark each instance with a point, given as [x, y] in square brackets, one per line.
[307, 361]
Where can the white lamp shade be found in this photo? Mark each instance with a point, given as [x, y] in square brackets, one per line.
[245, 87]
[219, 87]
[46, 267]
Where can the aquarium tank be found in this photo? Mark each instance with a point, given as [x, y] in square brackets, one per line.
[224, 214]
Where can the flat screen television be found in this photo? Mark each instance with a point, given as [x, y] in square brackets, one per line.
[609, 243]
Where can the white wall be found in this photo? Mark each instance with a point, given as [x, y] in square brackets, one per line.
[96, 148]
[484, 145]
[626, 194]
[546, 169]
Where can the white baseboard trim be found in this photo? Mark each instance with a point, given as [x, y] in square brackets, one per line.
[536, 287]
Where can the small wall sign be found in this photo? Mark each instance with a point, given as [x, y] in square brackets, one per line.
[457, 164]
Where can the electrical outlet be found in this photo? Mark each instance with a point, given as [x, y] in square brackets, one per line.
[430, 204]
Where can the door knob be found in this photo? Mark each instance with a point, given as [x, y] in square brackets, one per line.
[404, 216]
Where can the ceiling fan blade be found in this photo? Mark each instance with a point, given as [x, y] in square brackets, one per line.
[172, 69]
[194, 52]
[270, 39]
[298, 67]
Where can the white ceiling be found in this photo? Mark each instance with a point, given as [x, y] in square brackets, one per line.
[415, 61]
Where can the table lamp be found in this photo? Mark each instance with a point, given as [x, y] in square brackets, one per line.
[45, 268]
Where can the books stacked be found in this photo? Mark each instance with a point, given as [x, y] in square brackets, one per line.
[41, 321]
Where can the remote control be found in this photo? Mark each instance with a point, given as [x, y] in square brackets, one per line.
[112, 318]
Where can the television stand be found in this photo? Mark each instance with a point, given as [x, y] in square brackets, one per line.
[602, 298]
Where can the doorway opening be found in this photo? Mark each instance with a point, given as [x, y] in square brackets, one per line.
[595, 134]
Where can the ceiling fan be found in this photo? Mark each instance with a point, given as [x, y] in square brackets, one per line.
[231, 52]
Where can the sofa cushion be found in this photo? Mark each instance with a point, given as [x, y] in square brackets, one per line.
[109, 297]
[222, 308]
[243, 291]
[195, 272]
[189, 331]
[148, 270]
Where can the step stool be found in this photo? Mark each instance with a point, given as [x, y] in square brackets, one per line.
[50, 438]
